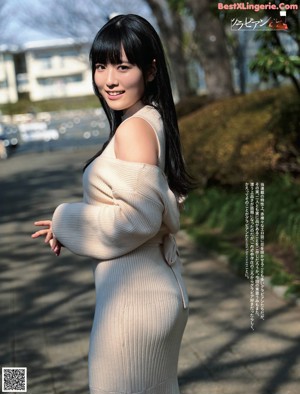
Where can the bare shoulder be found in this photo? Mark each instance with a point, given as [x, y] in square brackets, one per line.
[135, 140]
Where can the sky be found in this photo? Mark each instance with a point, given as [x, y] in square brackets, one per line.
[13, 29]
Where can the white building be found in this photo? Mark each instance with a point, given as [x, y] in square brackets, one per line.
[45, 70]
[8, 84]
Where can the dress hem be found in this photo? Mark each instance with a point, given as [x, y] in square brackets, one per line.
[170, 383]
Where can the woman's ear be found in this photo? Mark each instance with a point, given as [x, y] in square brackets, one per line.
[152, 71]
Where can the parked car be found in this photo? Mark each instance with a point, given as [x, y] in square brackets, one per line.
[37, 131]
[9, 139]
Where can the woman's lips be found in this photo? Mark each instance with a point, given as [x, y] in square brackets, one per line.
[114, 94]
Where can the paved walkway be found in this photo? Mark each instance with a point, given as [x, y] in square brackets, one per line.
[46, 303]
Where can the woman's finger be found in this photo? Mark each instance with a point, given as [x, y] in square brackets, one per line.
[57, 250]
[39, 233]
[53, 243]
[55, 246]
[48, 236]
[43, 223]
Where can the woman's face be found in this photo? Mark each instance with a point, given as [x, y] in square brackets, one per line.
[121, 85]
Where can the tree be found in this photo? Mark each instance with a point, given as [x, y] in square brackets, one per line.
[5, 16]
[210, 38]
[73, 18]
[2, 14]
[168, 16]
[209, 43]
[273, 59]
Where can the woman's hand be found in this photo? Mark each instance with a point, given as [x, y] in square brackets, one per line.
[49, 237]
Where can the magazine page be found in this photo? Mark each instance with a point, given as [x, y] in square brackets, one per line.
[149, 171]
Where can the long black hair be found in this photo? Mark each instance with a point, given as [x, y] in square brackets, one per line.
[142, 45]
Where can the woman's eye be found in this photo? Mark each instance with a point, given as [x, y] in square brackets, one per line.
[100, 67]
[123, 67]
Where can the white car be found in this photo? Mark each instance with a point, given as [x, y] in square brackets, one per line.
[37, 131]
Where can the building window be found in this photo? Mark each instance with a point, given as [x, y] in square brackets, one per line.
[3, 84]
[46, 63]
[45, 81]
[69, 53]
[45, 59]
[73, 78]
[60, 80]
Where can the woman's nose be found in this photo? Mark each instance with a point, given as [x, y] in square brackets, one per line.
[111, 79]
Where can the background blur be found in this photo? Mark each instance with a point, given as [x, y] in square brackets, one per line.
[235, 75]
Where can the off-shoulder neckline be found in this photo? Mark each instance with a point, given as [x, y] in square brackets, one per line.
[147, 106]
[131, 163]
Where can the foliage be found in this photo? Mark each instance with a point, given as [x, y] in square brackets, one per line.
[245, 138]
[282, 221]
[293, 291]
[229, 142]
[222, 209]
[215, 219]
[285, 124]
[272, 59]
[270, 264]
[275, 61]
[281, 278]
[177, 5]
[190, 104]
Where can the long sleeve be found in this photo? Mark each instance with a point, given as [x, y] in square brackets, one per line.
[106, 231]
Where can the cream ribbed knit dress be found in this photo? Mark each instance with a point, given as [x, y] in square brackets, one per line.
[125, 223]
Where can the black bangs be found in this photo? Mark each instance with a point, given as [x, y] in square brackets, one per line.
[107, 47]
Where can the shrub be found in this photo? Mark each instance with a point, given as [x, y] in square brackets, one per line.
[281, 278]
[234, 140]
[293, 291]
[191, 104]
[286, 125]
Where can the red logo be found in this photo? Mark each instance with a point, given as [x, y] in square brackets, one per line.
[278, 24]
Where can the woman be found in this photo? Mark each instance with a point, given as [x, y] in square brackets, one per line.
[132, 191]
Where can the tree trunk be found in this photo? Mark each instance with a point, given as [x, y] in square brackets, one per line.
[171, 31]
[210, 36]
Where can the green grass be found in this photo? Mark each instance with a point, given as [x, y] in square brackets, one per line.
[215, 218]
[24, 105]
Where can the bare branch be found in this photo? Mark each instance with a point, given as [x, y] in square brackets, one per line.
[75, 18]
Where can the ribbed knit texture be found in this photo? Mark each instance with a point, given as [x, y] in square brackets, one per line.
[141, 310]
